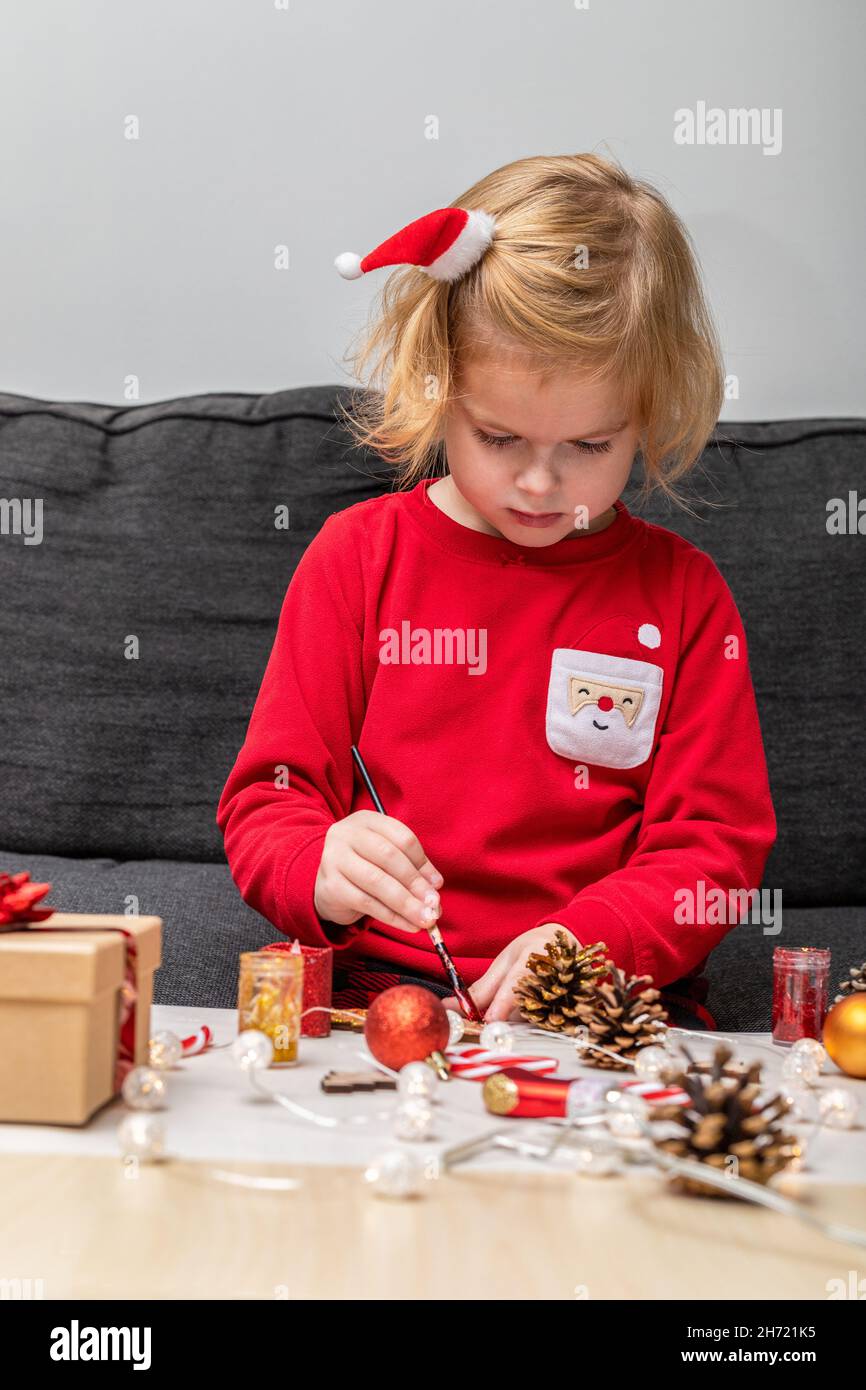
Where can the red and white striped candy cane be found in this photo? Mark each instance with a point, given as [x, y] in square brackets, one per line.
[654, 1093]
[477, 1063]
[197, 1041]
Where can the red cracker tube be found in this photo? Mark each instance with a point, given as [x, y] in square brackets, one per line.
[527, 1095]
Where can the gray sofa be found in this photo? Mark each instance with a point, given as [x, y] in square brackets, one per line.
[158, 525]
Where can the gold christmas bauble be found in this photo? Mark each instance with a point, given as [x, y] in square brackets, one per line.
[845, 1034]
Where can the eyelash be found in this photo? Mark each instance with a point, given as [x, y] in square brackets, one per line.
[502, 441]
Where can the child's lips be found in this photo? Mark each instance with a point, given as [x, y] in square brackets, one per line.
[535, 518]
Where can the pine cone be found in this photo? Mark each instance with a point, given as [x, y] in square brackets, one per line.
[738, 1070]
[548, 995]
[722, 1121]
[622, 1015]
[855, 984]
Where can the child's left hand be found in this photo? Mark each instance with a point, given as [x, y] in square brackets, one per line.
[493, 993]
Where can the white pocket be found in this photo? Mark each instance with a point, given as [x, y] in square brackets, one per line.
[602, 709]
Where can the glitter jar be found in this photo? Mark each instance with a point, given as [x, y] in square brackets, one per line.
[800, 977]
[318, 978]
[318, 985]
[270, 993]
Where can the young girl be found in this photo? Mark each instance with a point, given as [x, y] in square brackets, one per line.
[551, 695]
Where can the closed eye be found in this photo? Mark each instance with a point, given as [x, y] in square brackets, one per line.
[502, 441]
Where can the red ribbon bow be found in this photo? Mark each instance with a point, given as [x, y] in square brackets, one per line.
[17, 911]
[17, 896]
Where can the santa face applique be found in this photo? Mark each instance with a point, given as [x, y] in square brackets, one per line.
[602, 709]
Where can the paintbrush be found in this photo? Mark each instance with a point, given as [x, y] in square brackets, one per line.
[461, 993]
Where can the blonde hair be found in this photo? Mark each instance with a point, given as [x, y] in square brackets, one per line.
[590, 270]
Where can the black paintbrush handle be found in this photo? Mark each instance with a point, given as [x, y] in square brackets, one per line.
[461, 993]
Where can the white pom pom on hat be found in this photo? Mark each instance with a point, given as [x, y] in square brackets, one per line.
[444, 244]
[349, 265]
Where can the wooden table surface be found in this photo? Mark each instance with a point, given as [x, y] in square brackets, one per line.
[88, 1228]
[88, 1224]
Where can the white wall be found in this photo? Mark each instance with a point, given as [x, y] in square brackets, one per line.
[259, 126]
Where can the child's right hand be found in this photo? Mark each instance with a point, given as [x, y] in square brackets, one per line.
[373, 865]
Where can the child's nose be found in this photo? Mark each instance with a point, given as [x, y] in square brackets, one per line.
[605, 703]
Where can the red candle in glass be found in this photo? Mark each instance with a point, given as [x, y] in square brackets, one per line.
[799, 992]
[318, 984]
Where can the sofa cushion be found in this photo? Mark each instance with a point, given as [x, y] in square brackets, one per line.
[206, 926]
[158, 525]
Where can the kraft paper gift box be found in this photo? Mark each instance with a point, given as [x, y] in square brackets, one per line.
[61, 1005]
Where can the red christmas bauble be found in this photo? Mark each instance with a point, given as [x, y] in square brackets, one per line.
[405, 1024]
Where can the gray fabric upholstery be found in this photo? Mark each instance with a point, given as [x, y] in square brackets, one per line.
[159, 523]
[206, 925]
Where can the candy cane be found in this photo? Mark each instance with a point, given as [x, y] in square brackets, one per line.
[653, 1092]
[476, 1063]
[197, 1042]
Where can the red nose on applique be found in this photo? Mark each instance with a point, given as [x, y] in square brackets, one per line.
[605, 703]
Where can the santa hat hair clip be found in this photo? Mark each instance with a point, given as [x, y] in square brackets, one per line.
[445, 244]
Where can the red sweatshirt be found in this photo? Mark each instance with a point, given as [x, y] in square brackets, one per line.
[570, 731]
